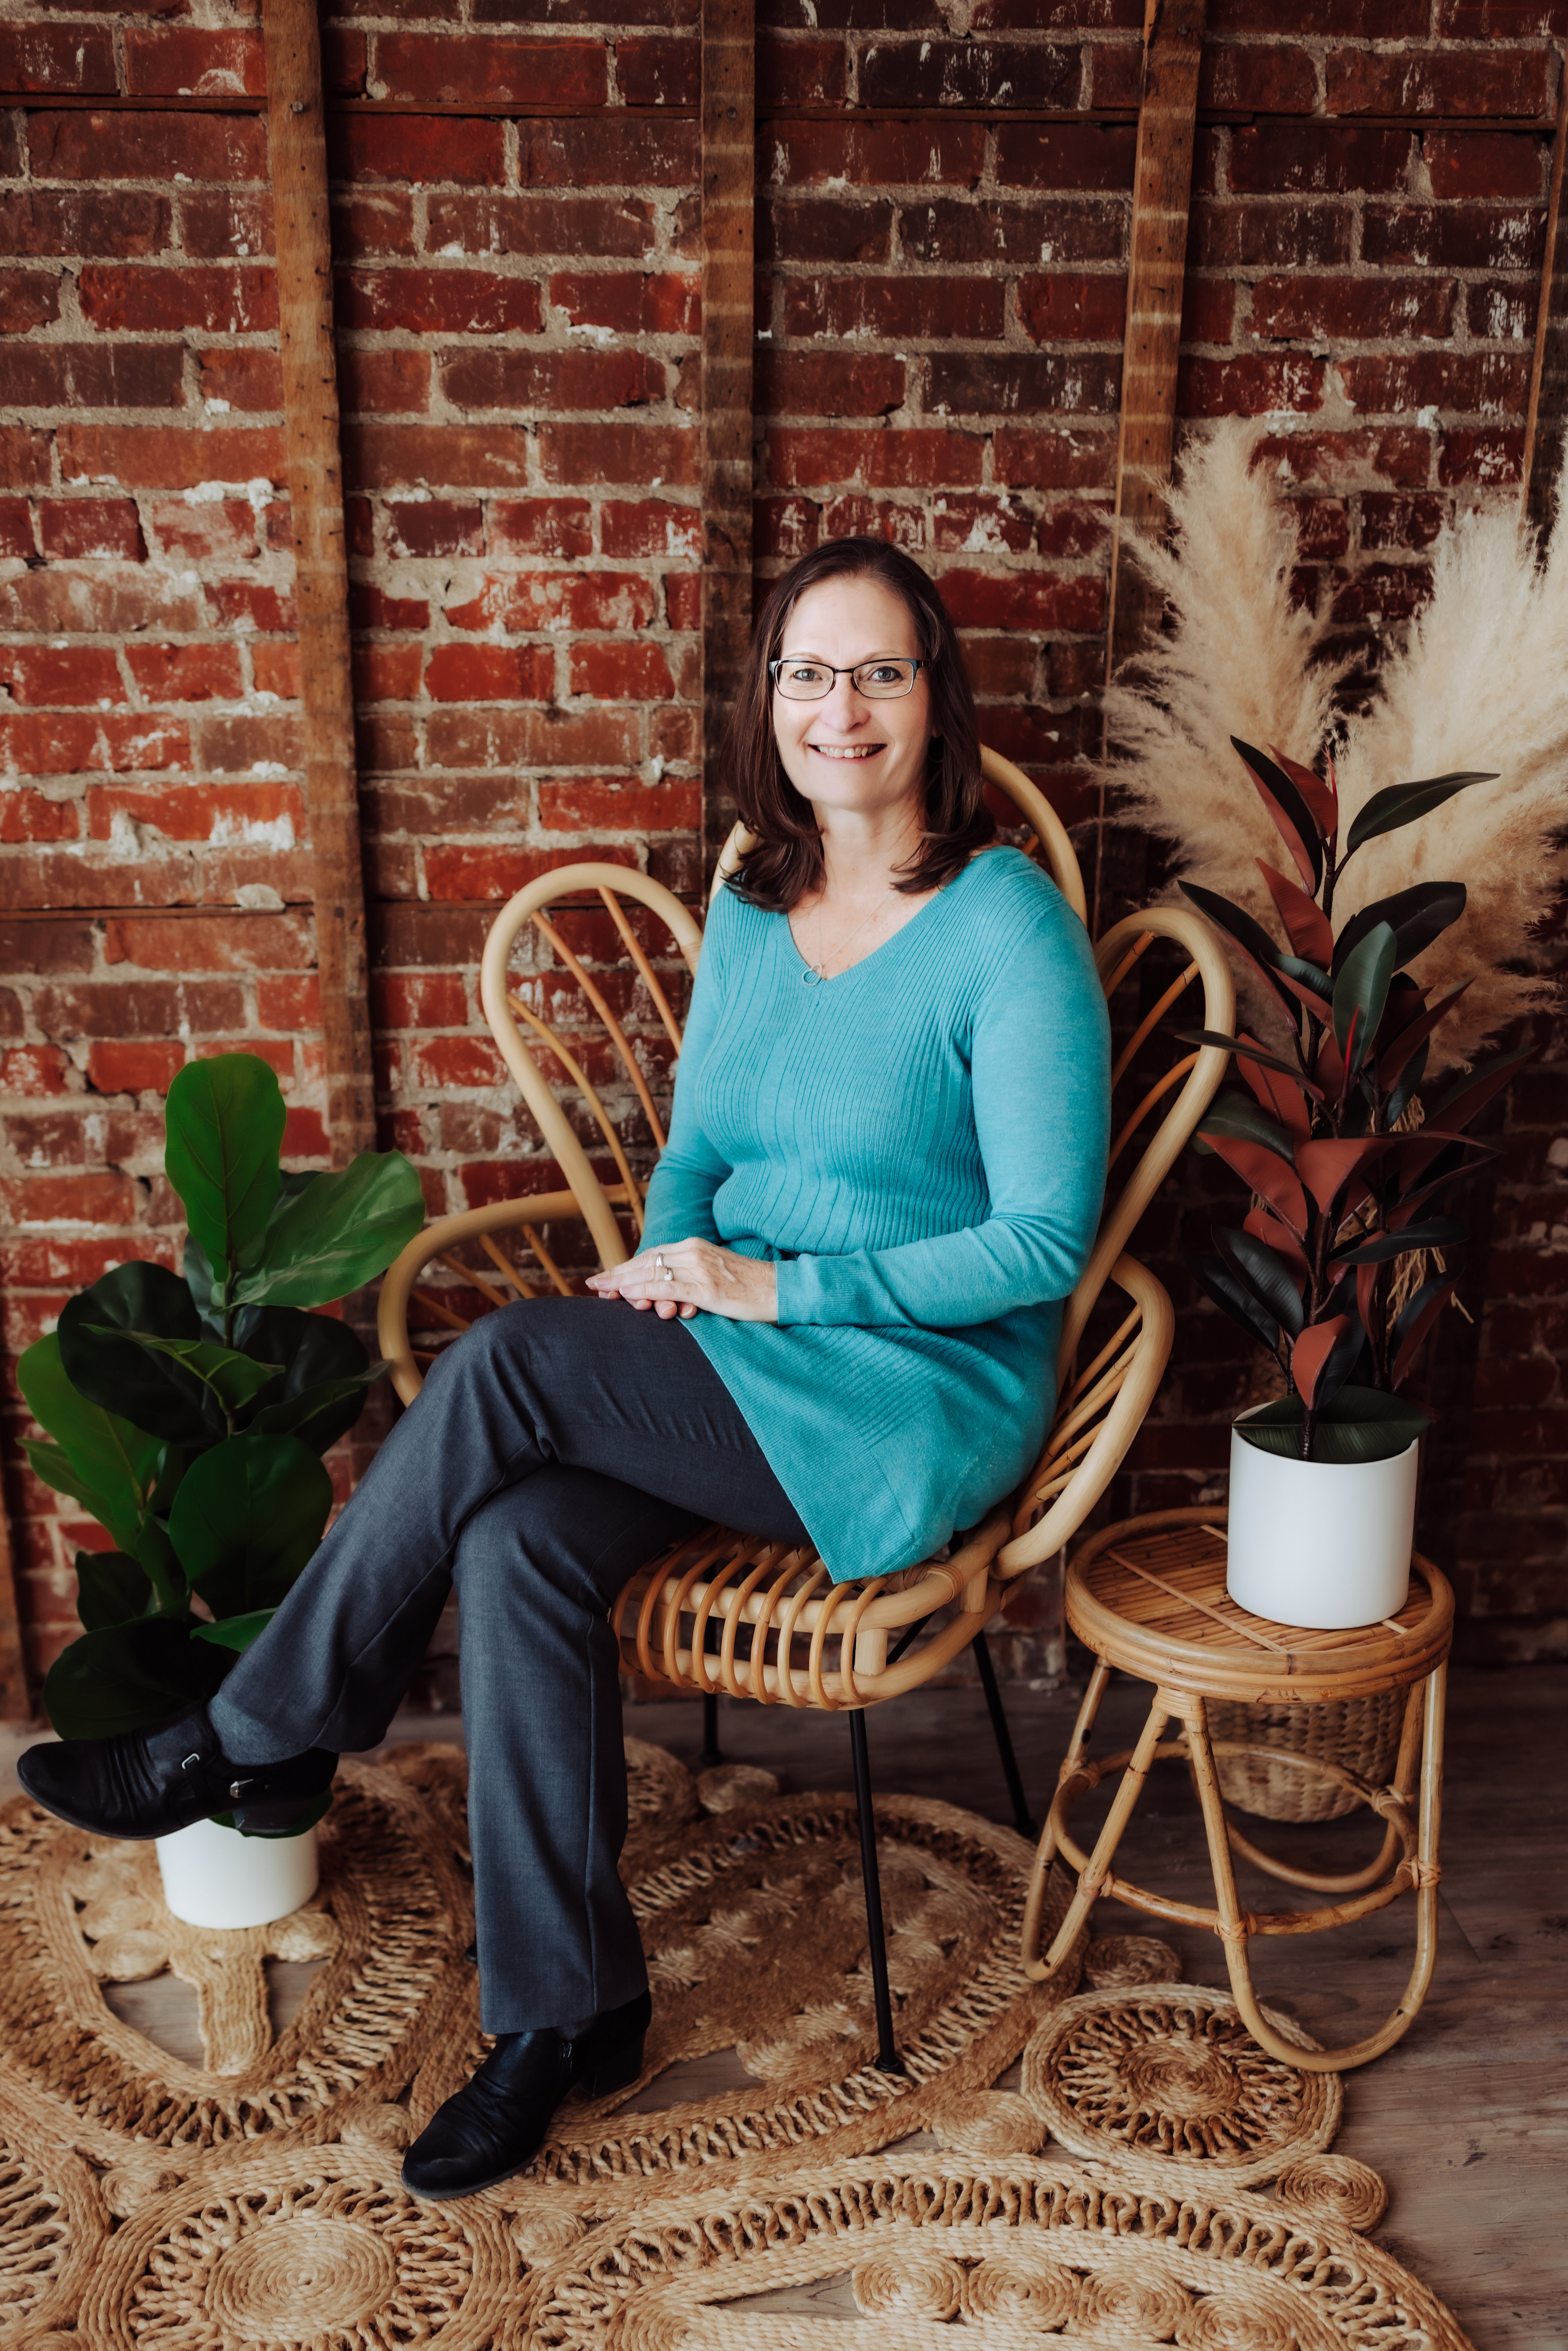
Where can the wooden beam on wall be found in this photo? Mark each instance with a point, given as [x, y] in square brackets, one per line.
[728, 167]
[1548, 411]
[298, 156]
[1156, 268]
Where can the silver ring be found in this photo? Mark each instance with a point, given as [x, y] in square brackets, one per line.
[664, 1273]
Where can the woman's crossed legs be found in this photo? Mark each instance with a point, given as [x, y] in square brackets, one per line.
[553, 1450]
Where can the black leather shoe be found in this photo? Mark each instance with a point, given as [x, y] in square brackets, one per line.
[148, 1784]
[497, 2123]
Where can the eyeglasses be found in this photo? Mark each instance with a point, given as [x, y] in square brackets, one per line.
[878, 681]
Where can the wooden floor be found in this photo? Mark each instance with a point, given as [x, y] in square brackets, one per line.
[1466, 2119]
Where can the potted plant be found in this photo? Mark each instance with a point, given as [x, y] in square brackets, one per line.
[1348, 1166]
[187, 1414]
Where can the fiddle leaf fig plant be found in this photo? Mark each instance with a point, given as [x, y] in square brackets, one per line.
[1346, 1161]
[187, 1413]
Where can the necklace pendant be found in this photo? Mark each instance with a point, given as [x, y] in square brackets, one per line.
[813, 976]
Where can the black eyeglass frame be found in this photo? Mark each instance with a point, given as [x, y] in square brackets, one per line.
[916, 662]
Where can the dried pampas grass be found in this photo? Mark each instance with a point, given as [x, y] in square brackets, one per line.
[1239, 659]
[1480, 680]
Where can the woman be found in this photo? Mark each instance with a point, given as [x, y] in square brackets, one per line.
[883, 1175]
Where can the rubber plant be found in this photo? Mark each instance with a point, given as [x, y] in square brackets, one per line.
[188, 1413]
[1346, 1162]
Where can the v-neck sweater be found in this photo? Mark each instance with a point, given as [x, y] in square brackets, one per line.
[919, 1145]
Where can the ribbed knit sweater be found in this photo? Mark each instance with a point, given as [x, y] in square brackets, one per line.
[920, 1145]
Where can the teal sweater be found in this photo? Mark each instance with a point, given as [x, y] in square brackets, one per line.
[920, 1146]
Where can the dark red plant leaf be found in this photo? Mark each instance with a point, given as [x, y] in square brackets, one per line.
[1306, 855]
[1352, 1062]
[1366, 1286]
[1307, 926]
[1418, 1151]
[1321, 799]
[1329, 1066]
[1418, 1331]
[1265, 1227]
[1398, 1050]
[1283, 1097]
[1312, 1352]
[1325, 1168]
[1461, 1102]
[1263, 1171]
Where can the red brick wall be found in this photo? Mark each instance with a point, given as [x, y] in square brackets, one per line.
[939, 314]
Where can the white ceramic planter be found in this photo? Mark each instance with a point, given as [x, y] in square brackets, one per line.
[1324, 1543]
[212, 1876]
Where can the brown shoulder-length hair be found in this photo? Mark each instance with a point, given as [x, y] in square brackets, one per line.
[786, 859]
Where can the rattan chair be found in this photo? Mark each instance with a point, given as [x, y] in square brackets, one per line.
[722, 1613]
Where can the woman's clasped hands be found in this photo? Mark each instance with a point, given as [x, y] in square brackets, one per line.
[683, 1276]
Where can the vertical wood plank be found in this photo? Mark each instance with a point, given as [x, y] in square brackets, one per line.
[298, 156]
[1157, 267]
[1548, 410]
[728, 208]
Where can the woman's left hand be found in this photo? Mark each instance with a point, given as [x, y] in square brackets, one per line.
[692, 1274]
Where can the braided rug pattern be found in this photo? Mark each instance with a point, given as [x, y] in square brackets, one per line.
[256, 2201]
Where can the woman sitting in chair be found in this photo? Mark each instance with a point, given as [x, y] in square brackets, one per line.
[883, 1175]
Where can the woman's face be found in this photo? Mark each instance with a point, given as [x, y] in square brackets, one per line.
[845, 751]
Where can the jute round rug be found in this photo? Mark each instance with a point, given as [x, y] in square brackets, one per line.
[255, 2199]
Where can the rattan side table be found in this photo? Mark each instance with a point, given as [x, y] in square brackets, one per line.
[1149, 1597]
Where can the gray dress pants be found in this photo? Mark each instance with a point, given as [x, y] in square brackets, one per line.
[553, 1451]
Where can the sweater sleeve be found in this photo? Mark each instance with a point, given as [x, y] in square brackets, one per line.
[679, 1206]
[1040, 1069]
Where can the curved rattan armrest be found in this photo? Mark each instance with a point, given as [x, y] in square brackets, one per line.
[1147, 1356]
[548, 1115]
[1120, 945]
[445, 1233]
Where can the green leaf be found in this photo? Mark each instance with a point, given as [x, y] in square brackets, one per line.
[1419, 917]
[319, 1415]
[113, 1467]
[130, 1677]
[224, 1130]
[1357, 1424]
[1232, 1297]
[153, 1551]
[106, 1364]
[1360, 991]
[231, 1379]
[236, 1631]
[326, 1373]
[247, 1517]
[1262, 1271]
[1437, 1232]
[336, 1234]
[111, 1589]
[1401, 804]
[1239, 1116]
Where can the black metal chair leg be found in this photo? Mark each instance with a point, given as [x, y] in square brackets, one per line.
[888, 2059]
[1011, 1772]
[711, 1753]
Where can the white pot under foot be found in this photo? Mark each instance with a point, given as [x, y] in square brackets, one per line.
[212, 1876]
[1320, 1543]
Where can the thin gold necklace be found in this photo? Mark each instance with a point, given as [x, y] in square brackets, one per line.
[816, 973]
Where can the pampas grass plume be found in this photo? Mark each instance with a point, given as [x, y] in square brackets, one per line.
[1479, 681]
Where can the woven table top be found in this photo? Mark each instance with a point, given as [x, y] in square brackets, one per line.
[1148, 1595]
